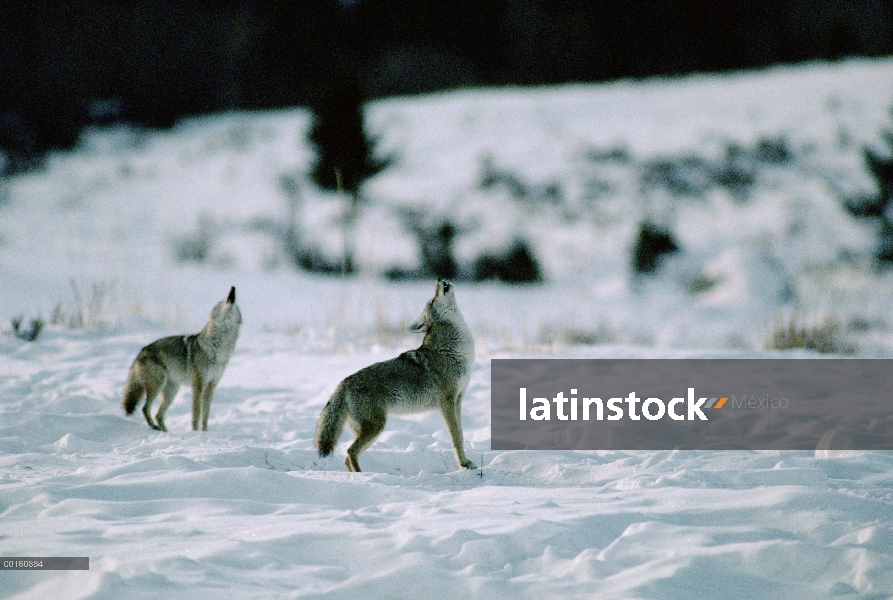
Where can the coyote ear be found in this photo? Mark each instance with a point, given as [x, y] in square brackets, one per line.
[421, 324]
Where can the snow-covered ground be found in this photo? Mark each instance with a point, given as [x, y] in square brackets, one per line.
[248, 509]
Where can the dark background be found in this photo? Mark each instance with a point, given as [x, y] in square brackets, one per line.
[67, 63]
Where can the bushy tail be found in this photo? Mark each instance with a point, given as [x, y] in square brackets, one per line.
[331, 422]
[134, 390]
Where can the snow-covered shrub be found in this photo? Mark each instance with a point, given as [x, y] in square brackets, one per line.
[435, 243]
[30, 334]
[681, 176]
[516, 264]
[197, 245]
[652, 243]
[878, 205]
[494, 177]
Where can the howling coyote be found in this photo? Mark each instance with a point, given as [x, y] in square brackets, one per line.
[434, 375]
[200, 358]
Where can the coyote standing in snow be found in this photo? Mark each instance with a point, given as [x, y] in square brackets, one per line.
[434, 375]
[200, 358]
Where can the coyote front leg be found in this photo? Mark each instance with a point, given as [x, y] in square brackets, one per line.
[198, 389]
[206, 402]
[452, 414]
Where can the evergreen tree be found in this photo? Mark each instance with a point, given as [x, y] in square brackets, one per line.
[341, 141]
[345, 154]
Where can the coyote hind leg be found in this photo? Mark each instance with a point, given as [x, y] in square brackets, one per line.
[367, 431]
[168, 393]
[153, 386]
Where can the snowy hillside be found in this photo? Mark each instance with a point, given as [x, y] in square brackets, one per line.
[137, 234]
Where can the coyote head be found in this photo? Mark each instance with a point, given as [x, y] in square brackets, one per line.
[226, 312]
[442, 307]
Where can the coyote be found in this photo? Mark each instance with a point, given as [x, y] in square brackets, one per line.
[434, 375]
[200, 358]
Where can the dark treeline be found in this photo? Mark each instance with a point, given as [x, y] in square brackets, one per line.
[67, 63]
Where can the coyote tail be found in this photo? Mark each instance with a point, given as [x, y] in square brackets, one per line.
[133, 391]
[331, 421]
